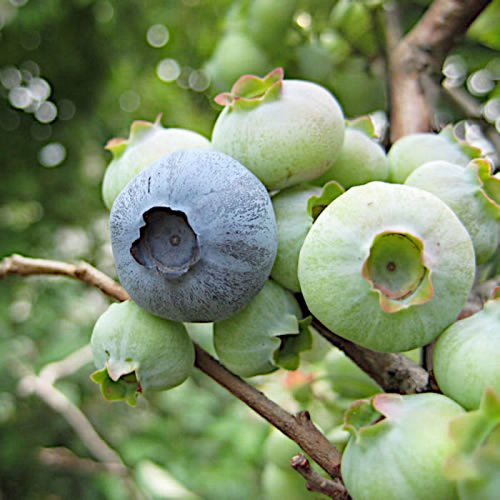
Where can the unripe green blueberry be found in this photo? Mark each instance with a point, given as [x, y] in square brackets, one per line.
[285, 131]
[387, 266]
[269, 20]
[147, 143]
[466, 358]
[361, 160]
[295, 209]
[266, 334]
[136, 352]
[413, 150]
[473, 193]
[398, 447]
[346, 378]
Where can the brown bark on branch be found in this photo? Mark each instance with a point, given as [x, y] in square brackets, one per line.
[419, 56]
[25, 266]
[393, 372]
[299, 428]
[316, 482]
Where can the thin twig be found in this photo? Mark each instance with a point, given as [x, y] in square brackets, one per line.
[24, 266]
[66, 366]
[299, 428]
[332, 488]
[63, 458]
[419, 56]
[53, 397]
[42, 386]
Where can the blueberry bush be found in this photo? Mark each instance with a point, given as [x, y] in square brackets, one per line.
[260, 242]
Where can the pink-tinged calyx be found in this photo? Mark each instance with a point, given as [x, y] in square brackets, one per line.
[374, 414]
[138, 130]
[118, 382]
[396, 271]
[250, 91]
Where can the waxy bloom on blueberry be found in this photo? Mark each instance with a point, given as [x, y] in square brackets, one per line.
[387, 266]
[361, 158]
[466, 358]
[295, 209]
[193, 236]
[398, 447]
[285, 131]
[472, 192]
[136, 352]
[267, 334]
[147, 143]
[413, 150]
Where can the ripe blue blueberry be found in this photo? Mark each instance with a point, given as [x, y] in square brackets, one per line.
[193, 236]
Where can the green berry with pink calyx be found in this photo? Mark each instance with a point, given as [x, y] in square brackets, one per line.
[285, 131]
[147, 143]
[361, 160]
[295, 209]
[411, 151]
[475, 463]
[387, 266]
[466, 356]
[135, 353]
[267, 334]
[398, 447]
[472, 192]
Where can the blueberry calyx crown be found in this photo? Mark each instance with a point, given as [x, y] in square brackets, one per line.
[250, 91]
[138, 130]
[397, 272]
[167, 243]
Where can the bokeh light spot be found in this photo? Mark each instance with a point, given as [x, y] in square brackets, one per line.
[10, 77]
[39, 88]
[199, 80]
[103, 11]
[130, 101]
[67, 109]
[158, 35]
[168, 70]
[20, 97]
[303, 19]
[46, 112]
[52, 154]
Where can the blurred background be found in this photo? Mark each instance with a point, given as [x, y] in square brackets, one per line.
[74, 74]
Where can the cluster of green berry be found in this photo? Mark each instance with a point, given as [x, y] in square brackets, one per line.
[286, 199]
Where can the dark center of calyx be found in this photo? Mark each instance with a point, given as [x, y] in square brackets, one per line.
[167, 242]
[396, 270]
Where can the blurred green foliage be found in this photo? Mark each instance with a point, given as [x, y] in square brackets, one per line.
[73, 74]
